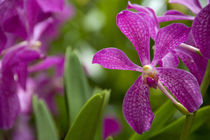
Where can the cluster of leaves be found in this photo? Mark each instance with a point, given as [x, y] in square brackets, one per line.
[84, 112]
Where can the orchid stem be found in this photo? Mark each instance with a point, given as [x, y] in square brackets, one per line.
[189, 118]
[206, 80]
[187, 127]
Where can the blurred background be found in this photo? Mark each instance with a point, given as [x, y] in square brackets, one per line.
[92, 28]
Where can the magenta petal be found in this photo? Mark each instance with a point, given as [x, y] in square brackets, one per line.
[136, 30]
[201, 31]
[172, 15]
[183, 85]
[3, 40]
[9, 103]
[170, 60]
[168, 38]
[193, 5]
[112, 58]
[9, 10]
[40, 28]
[51, 5]
[149, 17]
[49, 62]
[136, 107]
[194, 62]
[22, 74]
[31, 14]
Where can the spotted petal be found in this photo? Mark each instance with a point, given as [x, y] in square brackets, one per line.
[136, 30]
[183, 85]
[168, 38]
[149, 17]
[194, 62]
[172, 15]
[201, 31]
[136, 107]
[112, 58]
[193, 5]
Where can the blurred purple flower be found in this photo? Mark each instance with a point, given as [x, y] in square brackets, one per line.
[182, 84]
[13, 71]
[27, 13]
[36, 21]
[111, 126]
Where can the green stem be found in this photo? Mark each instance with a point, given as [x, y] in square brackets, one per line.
[187, 127]
[206, 80]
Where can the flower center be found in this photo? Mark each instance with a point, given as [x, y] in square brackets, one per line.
[36, 45]
[150, 76]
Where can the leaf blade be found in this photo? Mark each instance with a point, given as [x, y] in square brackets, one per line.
[76, 86]
[89, 118]
[45, 125]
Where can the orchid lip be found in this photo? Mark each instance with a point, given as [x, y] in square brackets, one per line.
[150, 76]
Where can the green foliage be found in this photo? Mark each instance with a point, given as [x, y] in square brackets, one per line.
[45, 125]
[76, 86]
[89, 118]
[174, 129]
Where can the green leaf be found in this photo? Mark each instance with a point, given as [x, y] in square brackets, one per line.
[89, 118]
[162, 115]
[76, 86]
[174, 129]
[45, 125]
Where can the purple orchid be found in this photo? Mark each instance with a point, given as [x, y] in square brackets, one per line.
[182, 84]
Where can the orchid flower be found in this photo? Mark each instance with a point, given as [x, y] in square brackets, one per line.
[188, 54]
[182, 84]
